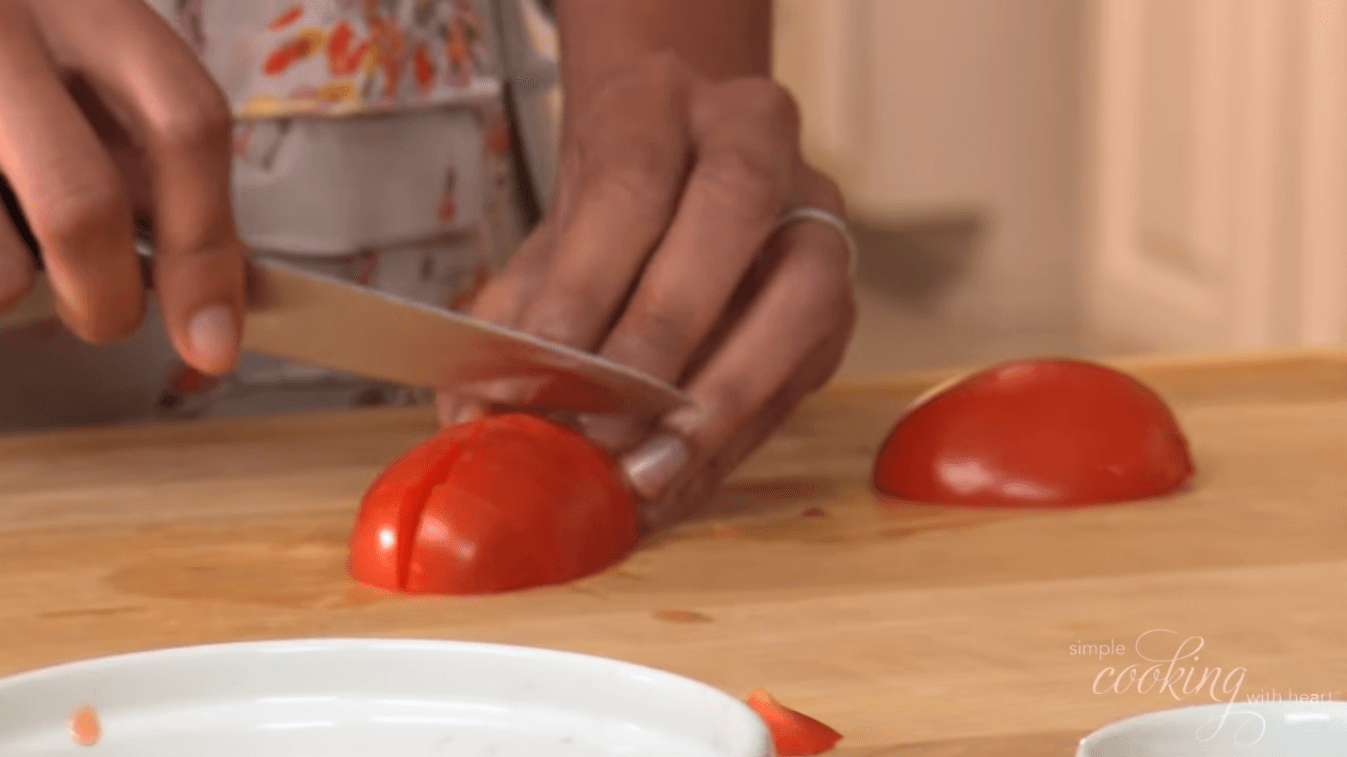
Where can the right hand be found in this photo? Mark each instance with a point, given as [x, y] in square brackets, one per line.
[105, 114]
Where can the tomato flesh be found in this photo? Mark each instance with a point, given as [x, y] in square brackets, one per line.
[504, 503]
[1036, 433]
[794, 734]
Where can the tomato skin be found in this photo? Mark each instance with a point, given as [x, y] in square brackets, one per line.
[390, 511]
[794, 734]
[505, 503]
[1036, 433]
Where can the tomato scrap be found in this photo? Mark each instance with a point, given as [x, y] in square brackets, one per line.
[724, 530]
[794, 734]
[85, 727]
[503, 503]
[683, 616]
[1036, 433]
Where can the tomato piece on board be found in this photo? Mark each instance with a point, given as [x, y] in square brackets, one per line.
[1036, 433]
[794, 734]
[503, 503]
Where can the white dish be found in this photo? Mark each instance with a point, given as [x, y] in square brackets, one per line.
[373, 698]
[1266, 729]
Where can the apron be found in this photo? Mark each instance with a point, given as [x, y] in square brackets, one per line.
[371, 142]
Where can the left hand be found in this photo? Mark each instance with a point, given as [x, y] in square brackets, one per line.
[660, 252]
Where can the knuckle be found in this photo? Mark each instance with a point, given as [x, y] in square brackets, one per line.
[733, 402]
[824, 191]
[642, 170]
[660, 330]
[564, 317]
[664, 67]
[553, 329]
[200, 122]
[82, 218]
[657, 83]
[747, 179]
[775, 104]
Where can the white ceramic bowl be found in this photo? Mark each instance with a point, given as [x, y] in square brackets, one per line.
[368, 697]
[1270, 729]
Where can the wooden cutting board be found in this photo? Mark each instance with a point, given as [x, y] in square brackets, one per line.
[914, 630]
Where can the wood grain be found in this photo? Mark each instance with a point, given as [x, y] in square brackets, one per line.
[914, 630]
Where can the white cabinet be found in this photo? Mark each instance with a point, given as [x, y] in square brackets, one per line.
[1218, 175]
[958, 119]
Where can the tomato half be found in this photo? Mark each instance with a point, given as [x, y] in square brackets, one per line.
[506, 502]
[1036, 433]
[794, 734]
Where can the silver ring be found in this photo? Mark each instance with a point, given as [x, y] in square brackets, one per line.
[839, 224]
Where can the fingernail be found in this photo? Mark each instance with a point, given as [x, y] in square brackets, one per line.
[654, 466]
[214, 335]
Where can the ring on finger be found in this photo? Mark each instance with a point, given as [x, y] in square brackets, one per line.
[828, 218]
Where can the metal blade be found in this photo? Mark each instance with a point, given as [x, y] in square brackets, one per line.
[329, 323]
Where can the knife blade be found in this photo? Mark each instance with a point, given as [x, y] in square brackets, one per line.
[320, 321]
[314, 320]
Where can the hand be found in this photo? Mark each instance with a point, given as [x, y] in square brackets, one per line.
[104, 113]
[660, 253]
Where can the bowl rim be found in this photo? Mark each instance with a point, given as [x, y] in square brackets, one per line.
[323, 643]
[738, 714]
[1113, 726]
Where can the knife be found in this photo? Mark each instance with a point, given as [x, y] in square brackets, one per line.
[329, 323]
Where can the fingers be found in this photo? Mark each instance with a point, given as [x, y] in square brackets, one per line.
[68, 188]
[626, 167]
[505, 296]
[747, 136]
[182, 123]
[501, 301]
[748, 159]
[686, 498]
[805, 307]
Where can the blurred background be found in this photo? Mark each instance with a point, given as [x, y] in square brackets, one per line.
[1081, 177]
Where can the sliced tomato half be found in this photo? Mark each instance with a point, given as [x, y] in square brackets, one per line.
[1037, 433]
[503, 503]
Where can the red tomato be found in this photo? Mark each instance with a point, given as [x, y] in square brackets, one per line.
[1036, 433]
[390, 513]
[793, 733]
[507, 502]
